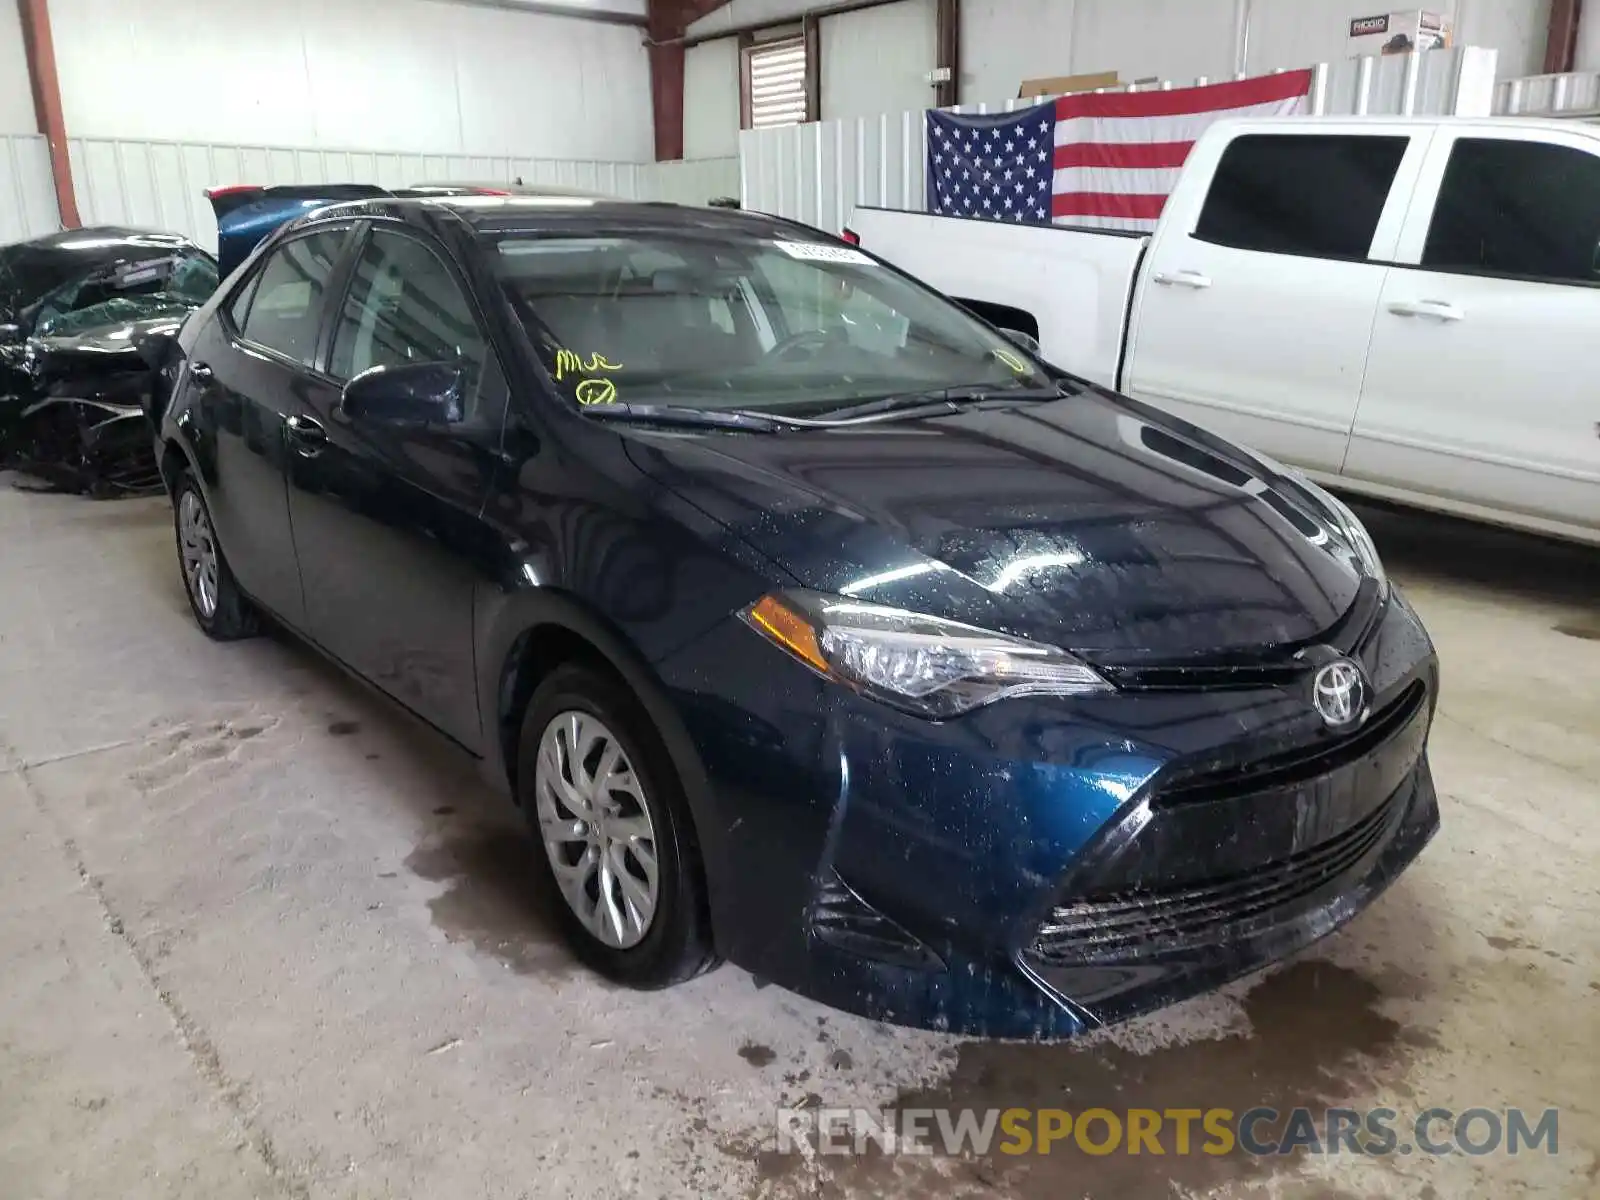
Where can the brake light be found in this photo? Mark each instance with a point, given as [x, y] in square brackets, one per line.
[230, 189]
[492, 192]
[851, 236]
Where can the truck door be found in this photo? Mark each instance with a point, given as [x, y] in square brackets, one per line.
[1255, 308]
[1481, 383]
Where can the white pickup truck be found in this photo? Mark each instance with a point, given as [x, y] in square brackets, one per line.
[1405, 308]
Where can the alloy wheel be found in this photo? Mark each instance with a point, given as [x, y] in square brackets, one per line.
[596, 828]
[198, 547]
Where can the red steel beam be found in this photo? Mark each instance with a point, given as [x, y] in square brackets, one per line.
[1561, 46]
[41, 54]
[668, 22]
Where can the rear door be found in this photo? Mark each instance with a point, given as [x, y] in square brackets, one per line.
[385, 515]
[251, 375]
[1255, 308]
[1480, 389]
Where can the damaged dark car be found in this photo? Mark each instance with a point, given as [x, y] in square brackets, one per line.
[82, 315]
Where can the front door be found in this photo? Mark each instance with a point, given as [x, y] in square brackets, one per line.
[251, 372]
[1480, 388]
[385, 515]
[1255, 308]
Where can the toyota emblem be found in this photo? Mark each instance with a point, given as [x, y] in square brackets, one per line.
[1340, 694]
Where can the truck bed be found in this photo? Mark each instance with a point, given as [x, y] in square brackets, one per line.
[1069, 288]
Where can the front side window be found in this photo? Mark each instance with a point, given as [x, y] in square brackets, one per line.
[404, 306]
[1309, 195]
[286, 303]
[712, 319]
[1518, 208]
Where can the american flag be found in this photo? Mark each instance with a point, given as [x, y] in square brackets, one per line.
[1102, 160]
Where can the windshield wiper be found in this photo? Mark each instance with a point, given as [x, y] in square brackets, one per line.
[933, 403]
[678, 414]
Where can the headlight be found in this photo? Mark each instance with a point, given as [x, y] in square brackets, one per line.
[924, 665]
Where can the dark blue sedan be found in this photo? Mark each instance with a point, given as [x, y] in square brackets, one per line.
[812, 623]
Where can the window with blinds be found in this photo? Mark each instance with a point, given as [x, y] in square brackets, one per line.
[775, 83]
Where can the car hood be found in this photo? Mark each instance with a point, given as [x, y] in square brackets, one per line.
[1093, 523]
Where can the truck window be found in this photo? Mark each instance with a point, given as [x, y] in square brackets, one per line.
[1517, 208]
[1307, 194]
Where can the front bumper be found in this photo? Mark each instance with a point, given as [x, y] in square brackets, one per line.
[1038, 869]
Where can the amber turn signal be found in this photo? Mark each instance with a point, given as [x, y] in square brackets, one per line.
[783, 625]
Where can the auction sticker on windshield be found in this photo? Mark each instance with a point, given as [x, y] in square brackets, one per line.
[812, 252]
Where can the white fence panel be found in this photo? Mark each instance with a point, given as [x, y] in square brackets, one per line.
[27, 189]
[1576, 94]
[817, 173]
[690, 181]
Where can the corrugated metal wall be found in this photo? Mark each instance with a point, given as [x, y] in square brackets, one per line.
[692, 181]
[161, 185]
[27, 192]
[818, 173]
[1576, 94]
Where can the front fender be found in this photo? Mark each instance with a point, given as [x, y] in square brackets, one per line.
[506, 620]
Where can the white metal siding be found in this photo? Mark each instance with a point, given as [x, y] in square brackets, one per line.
[877, 60]
[711, 100]
[1574, 94]
[402, 75]
[1007, 41]
[737, 14]
[818, 173]
[27, 191]
[693, 181]
[16, 98]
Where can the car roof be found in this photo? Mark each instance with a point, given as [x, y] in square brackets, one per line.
[511, 214]
[494, 188]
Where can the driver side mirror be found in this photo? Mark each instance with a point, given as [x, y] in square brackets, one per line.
[414, 394]
[1026, 340]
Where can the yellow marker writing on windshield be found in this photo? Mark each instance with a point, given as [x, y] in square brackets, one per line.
[596, 391]
[1011, 360]
[569, 363]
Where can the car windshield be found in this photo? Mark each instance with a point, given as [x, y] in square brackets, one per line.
[719, 320]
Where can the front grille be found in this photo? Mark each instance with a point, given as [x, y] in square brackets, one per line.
[1193, 785]
[1281, 669]
[1117, 926]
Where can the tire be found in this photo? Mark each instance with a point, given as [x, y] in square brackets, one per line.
[220, 608]
[674, 943]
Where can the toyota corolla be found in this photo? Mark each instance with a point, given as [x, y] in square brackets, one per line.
[812, 623]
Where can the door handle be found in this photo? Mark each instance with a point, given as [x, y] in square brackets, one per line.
[1188, 279]
[1438, 310]
[308, 437]
[201, 373]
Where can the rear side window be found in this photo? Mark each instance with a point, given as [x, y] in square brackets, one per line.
[1309, 195]
[1518, 208]
[287, 298]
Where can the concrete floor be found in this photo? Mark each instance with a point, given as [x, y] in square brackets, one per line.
[259, 937]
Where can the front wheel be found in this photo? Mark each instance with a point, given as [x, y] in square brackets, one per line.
[220, 608]
[619, 859]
